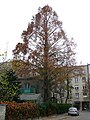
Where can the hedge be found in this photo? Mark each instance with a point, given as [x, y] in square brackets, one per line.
[50, 108]
[25, 110]
[20, 111]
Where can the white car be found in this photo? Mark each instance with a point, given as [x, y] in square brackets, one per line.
[73, 111]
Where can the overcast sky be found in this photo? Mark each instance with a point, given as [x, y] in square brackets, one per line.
[75, 15]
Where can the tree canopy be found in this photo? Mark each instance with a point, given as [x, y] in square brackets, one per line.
[9, 87]
[45, 48]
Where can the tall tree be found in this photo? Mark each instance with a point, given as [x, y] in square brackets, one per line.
[43, 47]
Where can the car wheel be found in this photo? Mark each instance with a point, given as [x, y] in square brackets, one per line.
[77, 114]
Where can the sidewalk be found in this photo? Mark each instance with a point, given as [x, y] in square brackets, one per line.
[54, 117]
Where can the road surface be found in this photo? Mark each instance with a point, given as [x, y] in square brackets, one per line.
[84, 115]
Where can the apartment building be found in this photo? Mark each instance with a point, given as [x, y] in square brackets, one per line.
[80, 92]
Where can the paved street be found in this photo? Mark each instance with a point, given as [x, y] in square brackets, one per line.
[83, 116]
[55, 117]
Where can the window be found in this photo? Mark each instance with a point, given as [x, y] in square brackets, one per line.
[83, 72]
[62, 94]
[70, 97]
[76, 72]
[34, 73]
[83, 79]
[26, 85]
[76, 87]
[33, 88]
[76, 95]
[76, 79]
[84, 87]
[84, 94]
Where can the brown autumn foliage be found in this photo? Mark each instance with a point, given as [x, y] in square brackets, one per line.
[62, 84]
[45, 49]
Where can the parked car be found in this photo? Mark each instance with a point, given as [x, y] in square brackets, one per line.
[73, 111]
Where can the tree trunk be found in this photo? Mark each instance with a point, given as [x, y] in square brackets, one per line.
[67, 96]
[46, 91]
[46, 81]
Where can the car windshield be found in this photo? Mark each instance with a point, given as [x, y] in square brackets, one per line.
[72, 108]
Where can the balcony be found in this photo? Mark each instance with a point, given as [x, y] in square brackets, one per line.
[28, 90]
[85, 98]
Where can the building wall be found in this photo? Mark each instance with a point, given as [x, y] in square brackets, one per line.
[79, 86]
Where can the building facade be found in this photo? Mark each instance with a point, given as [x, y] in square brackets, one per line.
[79, 94]
[81, 88]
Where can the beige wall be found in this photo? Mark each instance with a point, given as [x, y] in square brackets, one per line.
[80, 84]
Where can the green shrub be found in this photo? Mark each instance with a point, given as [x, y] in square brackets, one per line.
[50, 108]
[42, 110]
[62, 108]
[46, 109]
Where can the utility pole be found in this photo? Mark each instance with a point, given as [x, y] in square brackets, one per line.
[88, 83]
